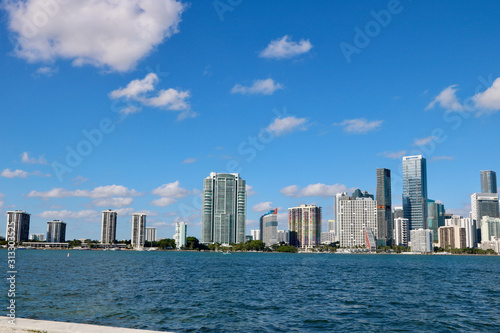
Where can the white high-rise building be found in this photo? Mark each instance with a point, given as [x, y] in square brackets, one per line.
[283, 236]
[421, 240]
[484, 204]
[470, 228]
[269, 227]
[150, 234]
[255, 234]
[56, 231]
[353, 218]
[108, 227]
[18, 226]
[224, 209]
[180, 236]
[490, 227]
[37, 237]
[401, 230]
[138, 230]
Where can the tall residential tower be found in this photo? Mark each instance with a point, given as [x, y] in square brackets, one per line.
[56, 231]
[304, 223]
[108, 227]
[488, 181]
[384, 207]
[224, 209]
[138, 230]
[415, 191]
[18, 224]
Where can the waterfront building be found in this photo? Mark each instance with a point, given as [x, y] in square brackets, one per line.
[269, 227]
[224, 209]
[328, 237]
[452, 237]
[488, 181]
[331, 225]
[256, 235]
[138, 230]
[484, 204]
[19, 222]
[401, 231]
[435, 217]
[421, 240]
[415, 191]
[150, 234]
[490, 227]
[283, 236]
[493, 244]
[180, 236]
[353, 217]
[37, 237]
[384, 207]
[108, 227]
[304, 223]
[470, 228]
[56, 231]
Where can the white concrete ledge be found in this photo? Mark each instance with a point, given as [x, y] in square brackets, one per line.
[44, 326]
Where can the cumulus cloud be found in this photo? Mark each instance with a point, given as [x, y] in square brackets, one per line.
[46, 71]
[447, 99]
[489, 100]
[394, 155]
[360, 126]
[263, 87]
[111, 34]
[144, 93]
[313, 190]
[113, 202]
[163, 202]
[25, 158]
[286, 48]
[66, 214]
[281, 126]
[250, 190]
[263, 206]
[79, 179]
[171, 190]
[7, 173]
[98, 192]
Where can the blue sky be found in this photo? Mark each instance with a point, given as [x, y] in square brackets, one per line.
[128, 105]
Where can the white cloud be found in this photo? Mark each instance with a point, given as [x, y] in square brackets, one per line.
[113, 202]
[163, 202]
[66, 214]
[489, 99]
[7, 173]
[171, 190]
[285, 48]
[249, 190]
[98, 192]
[263, 206]
[136, 87]
[424, 141]
[189, 160]
[25, 158]
[112, 34]
[447, 99]
[360, 126]
[124, 211]
[79, 179]
[143, 92]
[161, 224]
[394, 155]
[281, 126]
[264, 87]
[313, 190]
[47, 71]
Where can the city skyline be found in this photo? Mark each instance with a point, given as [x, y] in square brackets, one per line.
[258, 89]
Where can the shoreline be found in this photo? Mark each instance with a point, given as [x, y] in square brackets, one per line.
[24, 325]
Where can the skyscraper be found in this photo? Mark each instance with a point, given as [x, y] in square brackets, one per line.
[484, 204]
[18, 224]
[355, 217]
[108, 227]
[435, 217]
[304, 223]
[151, 234]
[269, 227]
[401, 231]
[56, 231]
[488, 181]
[421, 240]
[224, 209]
[138, 230]
[415, 191]
[384, 206]
[180, 236]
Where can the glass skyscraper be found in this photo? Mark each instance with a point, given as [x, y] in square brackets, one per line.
[415, 191]
[488, 181]
[435, 217]
[269, 227]
[224, 209]
[384, 206]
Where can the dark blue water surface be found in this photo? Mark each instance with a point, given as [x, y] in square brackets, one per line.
[260, 292]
